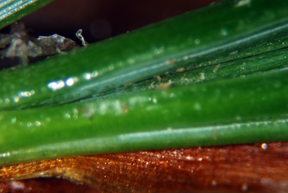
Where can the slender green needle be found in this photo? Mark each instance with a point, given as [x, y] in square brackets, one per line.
[192, 37]
[241, 110]
[271, 55]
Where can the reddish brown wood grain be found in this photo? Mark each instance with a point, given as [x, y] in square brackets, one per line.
[239, 168]
[44, 185]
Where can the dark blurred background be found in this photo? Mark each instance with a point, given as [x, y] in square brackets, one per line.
[100, 19]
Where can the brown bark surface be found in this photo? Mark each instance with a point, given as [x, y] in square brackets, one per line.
[238, 168]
